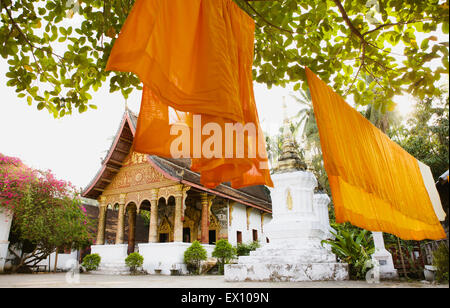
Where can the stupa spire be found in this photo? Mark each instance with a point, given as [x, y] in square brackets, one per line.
[289, 160]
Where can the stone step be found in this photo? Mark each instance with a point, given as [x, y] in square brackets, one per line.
[294, 259]
[286, 272]
[288, 252]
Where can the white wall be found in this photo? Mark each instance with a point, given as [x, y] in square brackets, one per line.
[167, 256]
[65, 261]
[239, 223]
[5, 226]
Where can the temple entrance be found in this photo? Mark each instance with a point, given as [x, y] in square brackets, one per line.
[212, 237]
[187, 235]
[164, 237]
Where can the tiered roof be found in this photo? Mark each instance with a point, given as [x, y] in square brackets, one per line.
[174, 169]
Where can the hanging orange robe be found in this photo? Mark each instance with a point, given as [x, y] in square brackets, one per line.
[194, 58]
[375, 184]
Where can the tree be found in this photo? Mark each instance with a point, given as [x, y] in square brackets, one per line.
[193, 256]
[58, 66]
[134, 261]
[426, 134]
[47, 213]
[224, 252]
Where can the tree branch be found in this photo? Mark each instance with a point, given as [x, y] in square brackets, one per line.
[262, 17]
[25, 37]
[363, 54]
[396, 24]
[349, 22]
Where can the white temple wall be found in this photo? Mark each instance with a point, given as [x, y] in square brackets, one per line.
[5, 226]
[239, 223]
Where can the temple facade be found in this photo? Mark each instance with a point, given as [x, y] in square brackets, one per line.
[179, 209]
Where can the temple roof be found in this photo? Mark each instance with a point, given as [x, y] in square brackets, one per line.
[174, 169]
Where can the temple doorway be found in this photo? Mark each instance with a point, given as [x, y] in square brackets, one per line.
[187, 235]
[212, 237]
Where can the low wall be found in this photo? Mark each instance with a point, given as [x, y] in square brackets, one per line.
[166, 256]
[157, 256]
[111, 254]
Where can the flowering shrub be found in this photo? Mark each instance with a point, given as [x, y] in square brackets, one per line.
[47, 212]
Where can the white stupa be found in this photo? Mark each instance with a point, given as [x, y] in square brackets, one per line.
[300, 221]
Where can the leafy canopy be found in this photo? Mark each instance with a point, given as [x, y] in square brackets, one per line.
[58, 66]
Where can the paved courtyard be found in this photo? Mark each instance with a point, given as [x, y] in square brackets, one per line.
[63, 280]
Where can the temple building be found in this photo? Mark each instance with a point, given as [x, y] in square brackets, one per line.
[179, 209]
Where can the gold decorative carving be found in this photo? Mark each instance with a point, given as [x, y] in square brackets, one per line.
[135, 158]
[133, 175]
[248, 211]
[289, 200]
[262, 220]
[112, 199]
[189, 223]
[153, 194]
[214, 223]
[102, 201]
[230, 214]
[193, 213]
[166, 227]
[122, 198]
[170, 191]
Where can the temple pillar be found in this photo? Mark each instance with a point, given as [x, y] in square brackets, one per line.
[179, 213]
[206, 201]
[153, 228]
[178, 224]
[131, 228]
[102, 208]
[121, 221]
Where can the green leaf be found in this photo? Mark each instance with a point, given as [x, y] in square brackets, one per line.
[361, 86]
[41, 106]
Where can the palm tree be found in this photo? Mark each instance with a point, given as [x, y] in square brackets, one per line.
[306, 123]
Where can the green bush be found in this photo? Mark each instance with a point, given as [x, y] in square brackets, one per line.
[134, 261]
[244, 249]
[224, 252]
[193, 257]
[91, 261]
[353, 246]
[440, 261]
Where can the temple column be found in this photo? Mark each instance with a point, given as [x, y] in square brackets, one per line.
[178, 223]
[102, 208]
[206, 201]
[121, 221]
[131, 227]
[153, 228]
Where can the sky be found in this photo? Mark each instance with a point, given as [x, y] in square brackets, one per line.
[73, 147]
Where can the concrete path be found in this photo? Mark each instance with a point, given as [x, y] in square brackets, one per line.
[65, 280]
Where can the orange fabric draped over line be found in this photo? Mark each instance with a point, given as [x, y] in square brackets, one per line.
[195, 59]
[375, 184]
